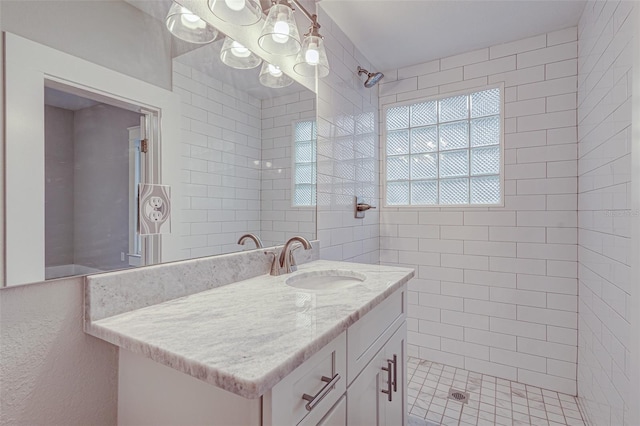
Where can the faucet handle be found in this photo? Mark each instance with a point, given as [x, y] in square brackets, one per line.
[293, 266]
[274, 263]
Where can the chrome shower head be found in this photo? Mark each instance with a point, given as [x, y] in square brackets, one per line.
[372, 77]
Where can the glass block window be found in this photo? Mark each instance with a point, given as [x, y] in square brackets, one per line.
[444, 151]
[304, 163]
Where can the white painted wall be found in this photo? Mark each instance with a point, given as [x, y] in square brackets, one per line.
[2, 179]
[101, 186]
[347, 152]
[605, 74]
[634, 417]
[58, 200]
[106, 32]
[495, 288]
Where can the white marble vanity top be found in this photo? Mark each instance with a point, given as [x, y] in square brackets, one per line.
[246, 336]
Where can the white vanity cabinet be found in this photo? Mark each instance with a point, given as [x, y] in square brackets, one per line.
[357, 379]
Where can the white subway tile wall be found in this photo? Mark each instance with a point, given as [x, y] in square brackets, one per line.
[496, 288]
[347, 153]
[605, 56]
[221, 140]
[237, 165]
[279, 219]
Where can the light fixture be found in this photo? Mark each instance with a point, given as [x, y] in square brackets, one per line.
[312, 59]
[239, 12]
[188, 26]
[272, 76]
[237, 56]
[279, 35]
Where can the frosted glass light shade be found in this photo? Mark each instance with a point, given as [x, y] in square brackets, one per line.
[239, 12]
[312, 59]
[272, 76]
[187, 26]
[237, 56]
[279, 35]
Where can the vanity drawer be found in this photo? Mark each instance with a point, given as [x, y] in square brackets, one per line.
[367, 335]
[322, 380]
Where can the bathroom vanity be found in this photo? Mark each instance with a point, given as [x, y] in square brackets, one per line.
[323, 345]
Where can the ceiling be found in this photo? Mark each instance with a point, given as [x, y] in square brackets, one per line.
[397, 33]
[64, 100]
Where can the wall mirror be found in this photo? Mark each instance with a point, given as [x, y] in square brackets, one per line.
[240, 157]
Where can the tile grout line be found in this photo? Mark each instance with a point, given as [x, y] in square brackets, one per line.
[445, 377]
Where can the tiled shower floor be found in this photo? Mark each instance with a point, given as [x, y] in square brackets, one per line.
[492, 401]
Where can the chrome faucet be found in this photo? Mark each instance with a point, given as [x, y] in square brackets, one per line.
[251, 237]
[286, 263]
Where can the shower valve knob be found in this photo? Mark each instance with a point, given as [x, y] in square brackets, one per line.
[363, 207]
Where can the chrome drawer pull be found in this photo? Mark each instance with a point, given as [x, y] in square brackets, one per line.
[314, 400]
[389, 381]
[395, 372]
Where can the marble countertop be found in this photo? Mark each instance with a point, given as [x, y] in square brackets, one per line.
[246, 336]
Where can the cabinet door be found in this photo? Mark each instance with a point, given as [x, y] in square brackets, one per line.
[363, 405]
[337, 416]
[395, 355]
[373, 399]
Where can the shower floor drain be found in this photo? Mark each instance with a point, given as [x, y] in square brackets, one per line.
[459, 396]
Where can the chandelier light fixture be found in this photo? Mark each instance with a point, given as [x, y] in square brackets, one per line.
[272, 76]
[237, 56]
[187, 26]
[279, 36]
[312, 59]
[239, 12]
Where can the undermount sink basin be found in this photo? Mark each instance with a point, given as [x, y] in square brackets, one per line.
[325, 280]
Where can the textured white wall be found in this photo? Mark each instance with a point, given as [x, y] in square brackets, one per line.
[495, 290]
[279, 220]
[605, 74]
[347, 153]
[51, 372]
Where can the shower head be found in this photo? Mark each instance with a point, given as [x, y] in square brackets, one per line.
[372, 77]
